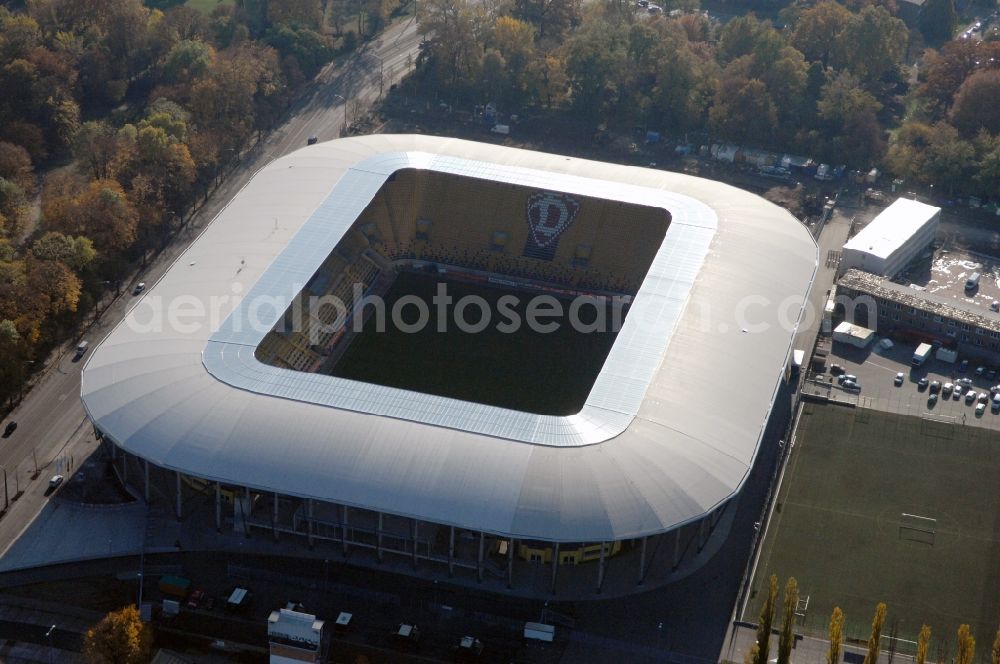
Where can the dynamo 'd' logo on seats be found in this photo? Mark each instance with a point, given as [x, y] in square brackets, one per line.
[549, 214]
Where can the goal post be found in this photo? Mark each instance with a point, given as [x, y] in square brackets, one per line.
[917, 528]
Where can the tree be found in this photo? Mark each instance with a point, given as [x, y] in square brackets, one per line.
[15, 165]
[977, 103]
[739, 37]
[100, 211]
[966, 646]
[76, 252]
[937, 21]
[187, 60]
[873, 43]
[743, 111]
[874, 641]
[836, 636]
[923, 641]
[819, 30]
[120, 638]
[787, 636]
[995, 653]
[766, 621]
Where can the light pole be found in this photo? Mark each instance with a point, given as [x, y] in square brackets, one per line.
[48, 635]
[343, 131]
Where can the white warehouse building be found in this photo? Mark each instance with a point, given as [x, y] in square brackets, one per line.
[892, 239]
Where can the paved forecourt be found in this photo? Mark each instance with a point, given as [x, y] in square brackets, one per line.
[879, 506]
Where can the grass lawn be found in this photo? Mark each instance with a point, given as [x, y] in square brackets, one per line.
[206, 6]
[838, 525]
[548, 373]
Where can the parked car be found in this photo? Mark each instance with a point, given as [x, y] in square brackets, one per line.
[935, 387]
[9, 429]
[963, 366]
[139, 287]
[836, 370]
[922, 384]
[996, 403]
[932, 399]
[980, 370]
[850, 386]
[980, 409]
[957, 394]
[898, 380]
[312, 140]
[843, 378]
[946, 389]
[970, 397]
[984, 397]
[55, 481]
[964, 382]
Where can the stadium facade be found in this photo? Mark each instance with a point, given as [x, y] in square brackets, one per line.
[235, 402]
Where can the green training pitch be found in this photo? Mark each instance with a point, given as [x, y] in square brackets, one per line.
[550, 373]
[206, 6]
[839, 527]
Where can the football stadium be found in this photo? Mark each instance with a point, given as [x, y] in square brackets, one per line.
[482, 361]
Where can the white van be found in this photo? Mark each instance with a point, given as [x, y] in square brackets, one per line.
[972, 282]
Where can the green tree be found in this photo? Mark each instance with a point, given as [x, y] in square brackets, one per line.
[873, 43]
[874, 641]
[938, 19]
[836, 636]
[76, 252]
[786, 638]
[819, 29]
[966, 646]
[120, 638]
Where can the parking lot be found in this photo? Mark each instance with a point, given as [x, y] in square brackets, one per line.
[876, 369]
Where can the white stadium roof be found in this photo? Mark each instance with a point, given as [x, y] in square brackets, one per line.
[669, 430]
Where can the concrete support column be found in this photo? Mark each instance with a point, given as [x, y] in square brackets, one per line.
[218, 507]
[415, 543]
[510, 562]
[274, 517]
[451, 551]
[343, 528]
[555, 566]
[479, 560]
[642, 563]
[247, 513]
[145, 471]
[178, 473]
[600, 568]
[309, 520]
[378, 539]
[677, 548]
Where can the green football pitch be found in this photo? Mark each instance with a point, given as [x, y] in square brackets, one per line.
[550, 373]
[883, 507]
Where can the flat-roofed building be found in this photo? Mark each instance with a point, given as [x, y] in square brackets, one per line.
[893, 238]
[294, 637]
